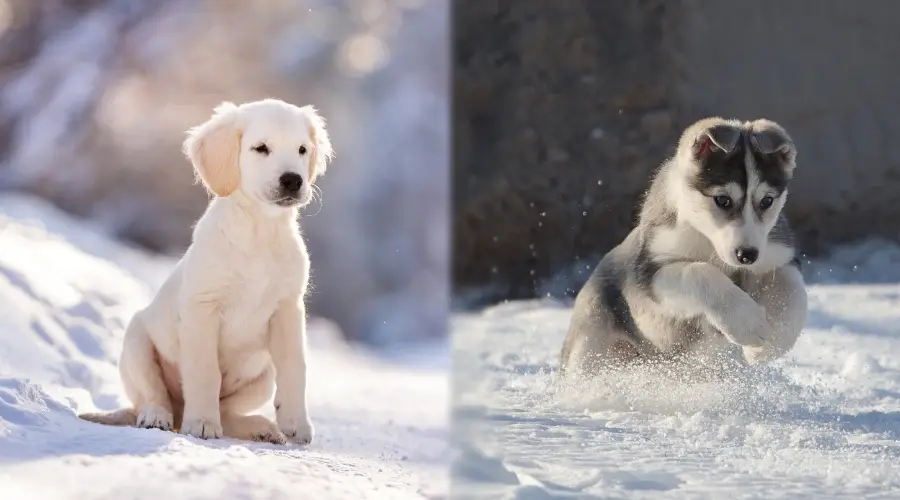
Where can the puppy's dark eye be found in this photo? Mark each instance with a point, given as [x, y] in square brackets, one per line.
[722, 201]
[766, 202]
[302, 150]
[261, 149]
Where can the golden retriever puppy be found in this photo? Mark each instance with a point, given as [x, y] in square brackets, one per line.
[228, 327]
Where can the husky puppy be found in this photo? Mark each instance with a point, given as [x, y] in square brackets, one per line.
[711, 265]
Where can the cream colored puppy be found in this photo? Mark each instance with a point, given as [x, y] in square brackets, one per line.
[227, 329]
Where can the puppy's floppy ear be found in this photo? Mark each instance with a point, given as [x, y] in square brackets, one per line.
[722, 137]
[770, 139]
[322, 152]
[214, 149]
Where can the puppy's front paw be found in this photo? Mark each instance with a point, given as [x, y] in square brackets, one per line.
[253, 428]
[154, 417]
[203, 428]
[745, 324]
[273, 436]
[296, 428]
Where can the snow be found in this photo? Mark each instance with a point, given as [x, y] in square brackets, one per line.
[823, 422]
[66, 293]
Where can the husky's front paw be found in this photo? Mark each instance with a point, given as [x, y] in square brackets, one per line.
[297, 428]
[744, 324]
[759, 355]
[203, 428]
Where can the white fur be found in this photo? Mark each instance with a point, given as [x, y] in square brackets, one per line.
[694, 289]
[227, 328]
[782, 293]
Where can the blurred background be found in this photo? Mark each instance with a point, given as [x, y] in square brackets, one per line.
[95, 97]
[563, 109]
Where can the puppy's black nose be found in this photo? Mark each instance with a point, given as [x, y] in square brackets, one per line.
[746, 255]
[290, 182]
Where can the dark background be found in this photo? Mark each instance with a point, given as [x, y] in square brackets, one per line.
[563, 108]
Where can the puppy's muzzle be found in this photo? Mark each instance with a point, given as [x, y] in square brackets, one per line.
[289, 186]
[747, 255]
[290, 183]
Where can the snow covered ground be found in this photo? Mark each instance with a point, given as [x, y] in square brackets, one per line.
[66, 293]
[822, 423]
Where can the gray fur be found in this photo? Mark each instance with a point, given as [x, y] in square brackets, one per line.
[782, 233]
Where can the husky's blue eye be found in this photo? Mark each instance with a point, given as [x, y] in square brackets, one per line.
[766, 202]
[722, 201]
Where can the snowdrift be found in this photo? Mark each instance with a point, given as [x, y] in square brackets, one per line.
[822, 423]
[66, 294]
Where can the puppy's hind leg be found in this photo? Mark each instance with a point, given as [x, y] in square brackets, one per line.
[250, 397]
[144, 385]
[783, 295]
[143, 379]
[587, 353]
[594, 341]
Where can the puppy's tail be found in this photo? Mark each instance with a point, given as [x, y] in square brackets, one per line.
[123, 417]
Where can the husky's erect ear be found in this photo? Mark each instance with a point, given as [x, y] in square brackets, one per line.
[770, 139]
[322, 152]
[718, 137]
[214, 149]
[710, 135]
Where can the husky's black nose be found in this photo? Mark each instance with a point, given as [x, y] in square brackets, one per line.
[746, 255]
[290, 182]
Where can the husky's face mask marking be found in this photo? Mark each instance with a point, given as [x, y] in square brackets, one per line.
[737, 186]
